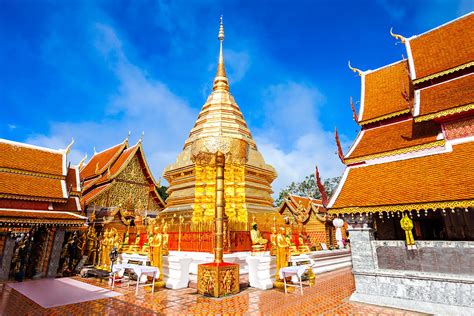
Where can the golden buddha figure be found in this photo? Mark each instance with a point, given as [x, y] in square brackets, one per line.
[258, 242]
[282, 254]
[155, 248]
[103, 249]
[291, 245]
[303, 247]
[165, 236]
[273, 242]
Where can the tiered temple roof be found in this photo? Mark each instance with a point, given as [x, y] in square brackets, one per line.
[104, 171]
[415, 149]
[37, 186]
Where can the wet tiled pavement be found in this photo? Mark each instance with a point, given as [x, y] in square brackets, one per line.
[329, 296]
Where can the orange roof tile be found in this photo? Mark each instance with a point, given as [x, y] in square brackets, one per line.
[305, 201]
[102, 160]
[124, 157]
[40, 215]
[30, 186]
[384, 90]
[448, 95]
[444, 48]
[86, 198]
[29, 158]
[435, 178]
[392, 137]
[71, 180]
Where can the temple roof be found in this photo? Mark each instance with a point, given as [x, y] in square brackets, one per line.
[102, 160]
[22, 186]
[395, 138]
[383, 93]
[443, 48]
[113, 162]
[446, 99]
[431, 181]
[44, 217]
[34, 177]
[31, 158]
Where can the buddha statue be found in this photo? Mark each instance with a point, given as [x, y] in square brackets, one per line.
[273, 241]
[291, 245]
[303, 247]
[165, 236]
[103, 249]
[258, 242]
[282, 253]
[155, 247]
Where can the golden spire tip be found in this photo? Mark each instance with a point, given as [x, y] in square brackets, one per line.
[221, 30]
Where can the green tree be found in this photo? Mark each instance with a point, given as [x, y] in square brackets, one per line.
[307, 188]
[162, 192]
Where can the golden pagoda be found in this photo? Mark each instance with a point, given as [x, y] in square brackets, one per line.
[220, 127]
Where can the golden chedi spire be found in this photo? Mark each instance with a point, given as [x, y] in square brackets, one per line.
[220, 127]
[221, 82]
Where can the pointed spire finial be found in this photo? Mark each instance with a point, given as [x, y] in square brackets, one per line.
[141, 137]
[95, 152]
[358, 71]
[397, 36]
[128, 136]
[68, 148]
[221, 82]
[82, 162]
[221, 30]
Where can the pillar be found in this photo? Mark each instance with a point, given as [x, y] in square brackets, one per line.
[7, 257]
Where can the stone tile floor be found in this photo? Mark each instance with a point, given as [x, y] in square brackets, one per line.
[329, 296]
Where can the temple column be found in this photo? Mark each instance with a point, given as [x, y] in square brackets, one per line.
[55, 253]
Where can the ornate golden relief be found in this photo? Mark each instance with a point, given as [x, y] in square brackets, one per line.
[130, 196]
[133, 172]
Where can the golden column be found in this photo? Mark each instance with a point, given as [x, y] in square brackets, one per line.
[219, 278]
[220, 208]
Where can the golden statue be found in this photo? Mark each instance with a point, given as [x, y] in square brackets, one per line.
[258, 242]
[407, 225]
[291, 245]
[165, 240]
[282, 255]
[104, 254]
[273, 241]
[155, 247]
[302, 248]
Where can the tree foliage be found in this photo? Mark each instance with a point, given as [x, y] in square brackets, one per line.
[162, 192]
[307, 188]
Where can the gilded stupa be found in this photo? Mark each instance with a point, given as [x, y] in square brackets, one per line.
[220, 127]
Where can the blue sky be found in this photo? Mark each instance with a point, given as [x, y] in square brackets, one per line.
[94, 70]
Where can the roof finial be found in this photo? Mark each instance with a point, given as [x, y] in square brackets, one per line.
[358, 71]
[128, 136]
[221, 82]
[141, 137]
[95, 152]
[82, 162]
[68, 148]
[397, 36]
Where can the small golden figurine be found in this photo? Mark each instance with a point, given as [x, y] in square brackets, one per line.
[258, 242]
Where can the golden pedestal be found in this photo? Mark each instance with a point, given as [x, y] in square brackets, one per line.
[218, 279]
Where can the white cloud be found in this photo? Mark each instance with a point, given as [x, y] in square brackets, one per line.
[237, 64]
[140, 104]
[294, 140]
